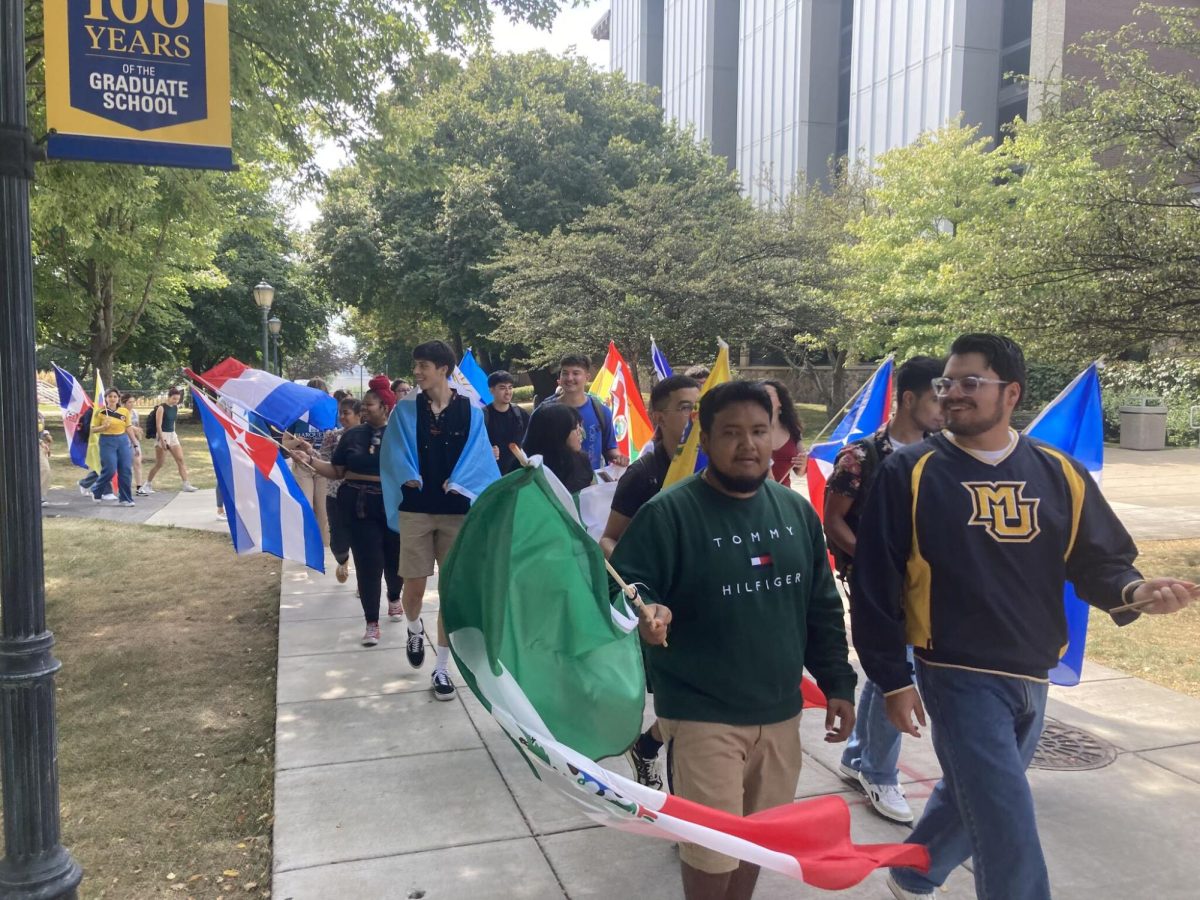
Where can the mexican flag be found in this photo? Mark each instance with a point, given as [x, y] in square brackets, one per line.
[527, 611]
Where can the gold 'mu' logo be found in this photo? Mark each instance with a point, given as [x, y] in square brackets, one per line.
[1000, 507]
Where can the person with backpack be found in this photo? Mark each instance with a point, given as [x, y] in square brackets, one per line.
[506, 422]
[599, 437]
[160, 425]
[873, 752]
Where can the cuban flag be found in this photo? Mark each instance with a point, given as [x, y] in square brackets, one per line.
[870, 409]
[271, 398]
[469, 379]
[76, 411]
[662, 369]
[267, 511]
[1073, 422]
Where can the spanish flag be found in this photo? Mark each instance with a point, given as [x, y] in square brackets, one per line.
[688, 458]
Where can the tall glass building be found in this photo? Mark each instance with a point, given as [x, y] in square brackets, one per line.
[781, 87]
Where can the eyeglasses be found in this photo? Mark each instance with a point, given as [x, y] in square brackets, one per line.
[968, 384]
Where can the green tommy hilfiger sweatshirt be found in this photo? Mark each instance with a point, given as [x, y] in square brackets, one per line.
[752, 599]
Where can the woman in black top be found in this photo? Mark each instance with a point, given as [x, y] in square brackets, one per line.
[376, 548]
[556, 432]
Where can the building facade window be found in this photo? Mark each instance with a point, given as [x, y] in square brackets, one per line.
[1014, 63]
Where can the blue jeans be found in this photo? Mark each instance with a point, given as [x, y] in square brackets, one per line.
[874, 745]
[985, 729]
[116, 458]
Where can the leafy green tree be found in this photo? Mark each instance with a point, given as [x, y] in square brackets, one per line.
[510, 146]
[119, 247]
[662, 258]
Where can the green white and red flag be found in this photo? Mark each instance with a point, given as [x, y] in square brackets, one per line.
[526, 605]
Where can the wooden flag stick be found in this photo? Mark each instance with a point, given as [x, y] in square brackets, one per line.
[628, 590]
[1136, 605]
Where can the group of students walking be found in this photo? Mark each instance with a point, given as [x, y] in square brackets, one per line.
[120, 432]
[952, 534]
[955, 536]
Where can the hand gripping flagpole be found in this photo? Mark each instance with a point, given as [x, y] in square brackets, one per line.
[630, 592]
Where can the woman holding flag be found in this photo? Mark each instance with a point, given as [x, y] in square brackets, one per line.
[375, 547]
[112, 423]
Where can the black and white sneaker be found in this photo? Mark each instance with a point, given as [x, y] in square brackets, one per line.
[443, 687]
[645, 771]
[415, 650]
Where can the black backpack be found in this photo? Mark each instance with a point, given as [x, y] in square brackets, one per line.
[842, 561]
[152, 422]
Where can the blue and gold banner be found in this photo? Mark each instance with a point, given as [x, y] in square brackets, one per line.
[139, 81]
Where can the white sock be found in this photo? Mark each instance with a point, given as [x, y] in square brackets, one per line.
[443, 659]
[415, 626]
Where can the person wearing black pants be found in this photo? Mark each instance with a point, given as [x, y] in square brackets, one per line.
[349, 416]
[375, 547]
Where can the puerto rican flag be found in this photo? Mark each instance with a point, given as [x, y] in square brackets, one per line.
[267, 511]
[271, 398]
[76, 411]
[870, 409]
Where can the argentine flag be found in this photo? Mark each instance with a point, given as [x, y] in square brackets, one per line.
[267, 511]
[1073, 422]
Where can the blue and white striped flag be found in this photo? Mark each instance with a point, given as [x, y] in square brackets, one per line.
[267, 511]
[1073, 422]
[469, 379]
[662, 369]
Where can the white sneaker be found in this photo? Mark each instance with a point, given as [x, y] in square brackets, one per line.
[221, 515]
[187, 488]
[127, 503]
[145, 490]
[901, 894]
[109, 497]
[85, 491]
[888, 800]
[850, 774]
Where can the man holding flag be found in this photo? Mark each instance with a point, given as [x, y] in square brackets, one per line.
[599, 437]
[962, 551]
[739, 563]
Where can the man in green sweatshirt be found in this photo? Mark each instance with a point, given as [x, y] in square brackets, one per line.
[739, 563]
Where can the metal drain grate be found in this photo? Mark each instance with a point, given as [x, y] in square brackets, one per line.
[1064, 748]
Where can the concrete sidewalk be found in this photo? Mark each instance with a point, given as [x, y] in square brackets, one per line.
[383, 792]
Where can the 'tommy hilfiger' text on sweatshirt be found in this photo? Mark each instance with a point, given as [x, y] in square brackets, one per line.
[752, 600]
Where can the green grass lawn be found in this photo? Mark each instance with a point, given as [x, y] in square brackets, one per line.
[1162, 649]
[166, 709]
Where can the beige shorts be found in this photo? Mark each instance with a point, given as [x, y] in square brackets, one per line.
[169, 438]
[740, 769]
[423, 539]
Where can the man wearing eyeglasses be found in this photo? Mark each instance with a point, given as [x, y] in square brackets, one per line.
[962, 551]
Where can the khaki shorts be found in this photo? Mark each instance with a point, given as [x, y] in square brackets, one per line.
[740, 769]
[423, 539]
[169, 438]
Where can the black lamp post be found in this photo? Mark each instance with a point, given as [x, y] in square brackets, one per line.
[264, 296]
[274, 325]
[35, 864]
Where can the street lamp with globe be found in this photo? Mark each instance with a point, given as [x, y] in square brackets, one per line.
[275, 325]
[264, 296]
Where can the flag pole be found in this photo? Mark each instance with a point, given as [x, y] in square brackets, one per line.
[862, 387]
[630, 592]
